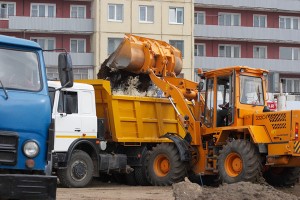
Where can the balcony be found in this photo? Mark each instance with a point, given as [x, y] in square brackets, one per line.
[242, 33]
[78, 59]
[53, 25]
[273, 6]
[269, 64]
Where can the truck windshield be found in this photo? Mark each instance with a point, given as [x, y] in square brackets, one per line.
[251, 90]
[19, 70]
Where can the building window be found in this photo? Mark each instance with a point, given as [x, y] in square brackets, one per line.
[260, 21]
[115, 12]
[229, 19]
[43, 10]
[199, 17]
[289, 22]
[199, 50]
[176, 15]
[113, 44]
[229, 51]
[147, 14]
[179, 44]
[79, 73]
[78, 45]
[290, 85]
[259, 52]
[7, 9]
[78, 11]
[45, 43]
[289, 53]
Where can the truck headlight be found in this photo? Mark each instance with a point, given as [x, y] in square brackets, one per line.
[31, 149]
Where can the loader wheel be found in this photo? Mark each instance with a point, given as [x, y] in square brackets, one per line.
[282, 176]
[79, 171]
[238, 161]
[164, 166]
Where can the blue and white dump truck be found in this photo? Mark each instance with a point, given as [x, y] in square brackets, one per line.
[26, 127]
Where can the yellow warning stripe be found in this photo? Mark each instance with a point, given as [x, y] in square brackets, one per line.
[297, 147]
[74, 136]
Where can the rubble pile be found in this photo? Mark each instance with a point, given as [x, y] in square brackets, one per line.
[243, 190]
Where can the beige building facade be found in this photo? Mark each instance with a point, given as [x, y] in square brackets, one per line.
[170, 21]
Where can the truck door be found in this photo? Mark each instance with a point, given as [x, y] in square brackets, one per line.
[87, 112]
[67, 120]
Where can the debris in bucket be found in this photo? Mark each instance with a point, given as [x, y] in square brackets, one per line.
[127, 83]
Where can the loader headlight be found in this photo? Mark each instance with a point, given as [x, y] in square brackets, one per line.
[31, 149]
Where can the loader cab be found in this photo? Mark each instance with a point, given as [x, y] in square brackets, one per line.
[231, 93]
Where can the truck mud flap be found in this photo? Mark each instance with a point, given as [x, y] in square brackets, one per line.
[19, 186]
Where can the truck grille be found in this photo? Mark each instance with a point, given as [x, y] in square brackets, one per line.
[8, 147]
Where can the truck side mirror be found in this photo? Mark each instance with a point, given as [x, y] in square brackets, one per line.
[65, 70]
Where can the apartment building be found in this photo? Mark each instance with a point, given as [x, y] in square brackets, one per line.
[259, 34]
[53, 24]
[92, 29]
[168, 20]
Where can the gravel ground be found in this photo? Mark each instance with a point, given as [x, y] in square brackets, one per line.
[110, 191]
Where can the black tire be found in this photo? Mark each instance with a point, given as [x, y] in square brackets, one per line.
[140, 172]
[282, 176]
[163, 166]
[79, 171]
[239, 161]
[130, 179]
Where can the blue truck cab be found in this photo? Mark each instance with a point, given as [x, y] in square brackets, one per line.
[26, 129]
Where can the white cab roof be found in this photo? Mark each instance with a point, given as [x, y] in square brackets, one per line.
[76, 86]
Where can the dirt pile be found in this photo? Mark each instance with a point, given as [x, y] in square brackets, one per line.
[242, 191]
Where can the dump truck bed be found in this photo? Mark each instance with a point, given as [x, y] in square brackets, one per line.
[133, 119]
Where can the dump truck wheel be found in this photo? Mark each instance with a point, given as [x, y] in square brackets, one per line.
[79, 171]
[130, 178]
[282, 176]
[238, 161]
[140, 172]
[164, 166]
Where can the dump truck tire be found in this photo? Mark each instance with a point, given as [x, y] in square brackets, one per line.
[130, 179]
[164, 166]
[79, 171]
[238, 161]
[141, 177]
[282, 176]
[140, 172]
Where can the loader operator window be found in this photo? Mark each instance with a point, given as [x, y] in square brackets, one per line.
[68, 102]
[224, 101]
[209, 103]
[251, 90]
[19, 70]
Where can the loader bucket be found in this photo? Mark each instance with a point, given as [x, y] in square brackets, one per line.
[138, 55]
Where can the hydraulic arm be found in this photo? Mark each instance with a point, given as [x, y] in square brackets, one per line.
[162, 62]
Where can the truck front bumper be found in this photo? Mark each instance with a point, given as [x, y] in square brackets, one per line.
[20, 186]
